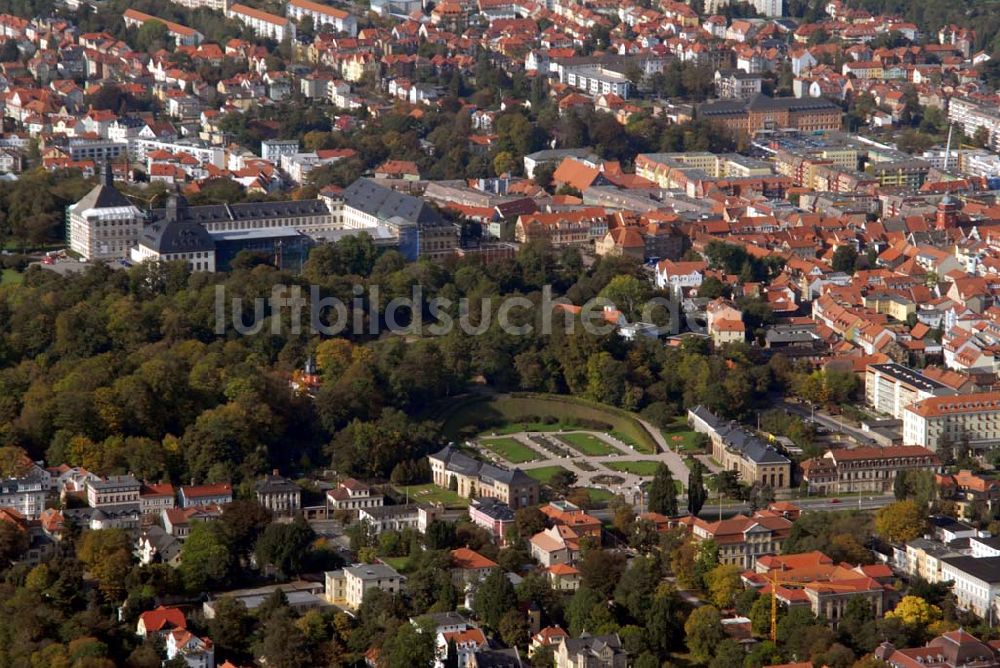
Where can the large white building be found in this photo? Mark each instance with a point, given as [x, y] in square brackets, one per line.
[104, 225]
[26, 492]
[263, 24]
[347, 586]
[970, 115]
[322, 14]
[975, 417]
[976, 583]
[889, 388]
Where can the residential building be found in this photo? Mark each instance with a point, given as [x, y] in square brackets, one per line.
[587, 651]
[347, 586]
[550, 636]
[154, 498]
[160, 621]
[116, 490]
[104, 225]
[970, 115]
[973, 417]
[678, 276]
[262, 23]
[26, 489]
[470, 567]
[891, 387]
[181, 34]
[737, 84]
[279, 495]
[155, 545]
[564, 513]
[866, 469]
[206, 495]
[736, 449]
[321, 14]
[272, 149]
[178, 521]
[725, 322]
[967, 490]
[923, 557]
[555, 545]
[479, 479]
[351, 496]
[563, 577]
[196, 652]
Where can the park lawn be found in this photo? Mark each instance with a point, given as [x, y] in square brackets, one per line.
[12, 277]
[645, 468]
[510, 449]
[431, 493]
[544, 474]
[599, 496]
[588, 444]
[680, 437]
[568, 412]
[400, 564]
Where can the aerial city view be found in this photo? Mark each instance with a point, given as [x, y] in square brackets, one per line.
[500, 334]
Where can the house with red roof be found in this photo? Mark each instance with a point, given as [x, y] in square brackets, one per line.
[468, 566]
[160, 621]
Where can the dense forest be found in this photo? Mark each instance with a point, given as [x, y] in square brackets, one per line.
[123, 370]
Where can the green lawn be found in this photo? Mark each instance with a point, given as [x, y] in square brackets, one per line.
[638, 468]
[544, 474]
[588, 444]
[11, 277]
[599, 495]
[510, 449]
[431, 493]
[508, 413]
[399, 563]
[680, 437]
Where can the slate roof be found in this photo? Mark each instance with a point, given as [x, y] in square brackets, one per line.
[176, 233]
[102, 196]
[212, 213]
[986, 569]
[456, 462]
[385, 203]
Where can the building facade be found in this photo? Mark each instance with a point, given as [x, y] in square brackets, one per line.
[347, 586]
[474, 479]
[104, 225]
[871, 469]
[972, 417]
[890, 388]
[736, 449]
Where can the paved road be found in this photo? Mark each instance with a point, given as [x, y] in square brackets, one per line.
[831, 423]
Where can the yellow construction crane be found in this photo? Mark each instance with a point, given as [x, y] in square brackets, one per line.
[775, 582]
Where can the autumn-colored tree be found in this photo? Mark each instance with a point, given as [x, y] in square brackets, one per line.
[723, 584]
[915, 611]
[900, 521]
[703, 630]
[107, 555]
